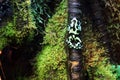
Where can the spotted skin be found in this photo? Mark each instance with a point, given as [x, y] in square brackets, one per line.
[74, 29]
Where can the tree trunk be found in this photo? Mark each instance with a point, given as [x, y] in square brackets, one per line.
[73, 41]
[100, 23]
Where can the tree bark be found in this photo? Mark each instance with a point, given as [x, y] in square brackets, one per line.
[73, 41]
[100, 23]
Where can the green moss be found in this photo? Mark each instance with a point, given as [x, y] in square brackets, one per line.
[6, 32]
[96, 62]
[20, 27]
[51, 61]
[3, 42]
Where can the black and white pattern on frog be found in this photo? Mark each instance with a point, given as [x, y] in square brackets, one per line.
[74, 29]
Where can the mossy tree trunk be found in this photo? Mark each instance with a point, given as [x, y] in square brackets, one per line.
[17, 31]
[99, 22]
[74, 43]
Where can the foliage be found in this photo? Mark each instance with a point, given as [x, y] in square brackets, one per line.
[96, 60]
[16, 31]
[51, 61]
[116, 69]
[20, 26]
[3, 42]
[22, 15]
[112, 9]
[42, 11]
[40, 7]
[114, 31]
[6, 33]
